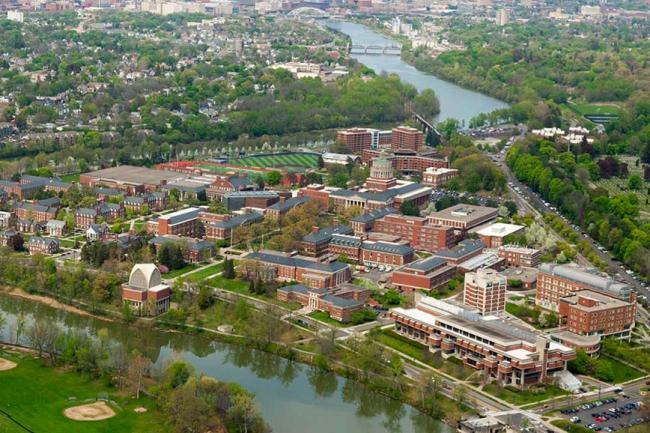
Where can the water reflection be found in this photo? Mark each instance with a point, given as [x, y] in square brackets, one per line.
[293, 397]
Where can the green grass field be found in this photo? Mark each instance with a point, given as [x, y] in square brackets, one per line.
[71, 177]
[518, 397]
[178, 272]
[595, 109]
[325, 318]
[206, 272]
[36, 396]
[302, 160]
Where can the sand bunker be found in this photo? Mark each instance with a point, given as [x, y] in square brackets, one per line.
[90, 412]
[140, 409]
[5, 364]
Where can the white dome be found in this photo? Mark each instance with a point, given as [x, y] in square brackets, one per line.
[144, 276]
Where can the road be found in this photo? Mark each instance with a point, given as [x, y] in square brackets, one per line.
[527, 199]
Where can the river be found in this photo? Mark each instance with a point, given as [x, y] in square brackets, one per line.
[293, 397]
[455, 102]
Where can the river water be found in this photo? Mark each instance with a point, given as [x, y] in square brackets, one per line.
[293, 397]
[455, 102]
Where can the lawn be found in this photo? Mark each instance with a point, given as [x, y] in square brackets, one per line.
[304, 160]
[518, 397]
[36, 396]
[621, 372]
[206, 272]
[177, 272]
[366, 283]
[234, 285]
[71, 177]
[595, 109]
[402, 344]
[325, 318]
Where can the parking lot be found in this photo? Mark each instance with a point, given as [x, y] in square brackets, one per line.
[608, 415]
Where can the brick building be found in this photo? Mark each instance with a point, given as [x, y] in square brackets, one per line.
[130, 179]
[255, 199]
[85, 217]
[357, 139]
[39, 245]
[416, 230]
[493, 236]
[225, 184]
[55, 228]
[283, 206]
[365, 222]
[438, 176]
[485, 291]
[504, 351]
[556, 281]
[463, 216]
[590, 313]
[406, 161]
[145, 292]
[407, 138]
[317, 242]
[308, 272]
[221, 230]
[520, 256]
[385, 253]
[462, 252]
[429, 273]
[10, 239]
[194, 250]
[181, 223]
[35, 211]
[340, 303]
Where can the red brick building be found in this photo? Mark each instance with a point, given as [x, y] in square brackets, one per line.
[407, 138]
[310, 273]
[520, 256]
[365, 222]
[416, 230]
[465, 250]
[407, 161]
[438, 176]
[222, 229]
[356, 139]
[494, 235]
[317, 242]
[225, 184]
[39, 245]
[429, 273]
[35, 212]
[463, 216]
[145, 292]
[590, 313]
[556, 281]
[181, 223]
[339, 303]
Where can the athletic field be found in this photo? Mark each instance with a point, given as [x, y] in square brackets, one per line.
[282, 160]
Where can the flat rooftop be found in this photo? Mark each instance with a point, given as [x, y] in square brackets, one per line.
[499, 229]
[136, 175]
[465, 212]
[603, 302]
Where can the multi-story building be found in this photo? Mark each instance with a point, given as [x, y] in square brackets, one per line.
[317, 242]
[407, 138]
[254, 199]
[403, 192]
[35, 211]
[225, 184]
[436, 177]
[194, 250]
[429, 273]
[463, 216]
[407, 161]
[11, 239]
[222, 229]
[385, 253]
[282, 207]
[520, 256]
[340, 303]
[6, 219]
[145, 292]
[416, 230]
[308, 272]
[485, 292]
[130, 179]
[181, 223]
[555, 281]
[85, 217]
[462, 252]
[357, 139]
[55, 228]
[365, 222]
[493, 236]
[39, 245]
[511, 354]
[590, 313]
[381, 175]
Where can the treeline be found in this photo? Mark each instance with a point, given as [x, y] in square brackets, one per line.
[613, 221]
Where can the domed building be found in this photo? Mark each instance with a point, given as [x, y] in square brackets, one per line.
[381, 175]
[145, 292]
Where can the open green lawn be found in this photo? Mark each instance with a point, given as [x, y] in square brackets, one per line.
[234, 285]
[71, 177]
[325, 318]
[206, 272]
[595, 109]
[177, 272]
[304, 160]
[518, 397]
[36, 396]
[621, 372]
[402, 344]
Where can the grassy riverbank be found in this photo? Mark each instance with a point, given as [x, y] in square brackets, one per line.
[35, 396]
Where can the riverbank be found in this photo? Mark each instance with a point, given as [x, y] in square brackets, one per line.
[309, 355]
[50, 302]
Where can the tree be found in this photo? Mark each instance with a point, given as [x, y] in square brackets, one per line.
[427, 104]
[243, 411]
[139, 365]
[187, 411]
[635, 182]
[42, 336]
[409, 208]
[273, 178]
[3, 321]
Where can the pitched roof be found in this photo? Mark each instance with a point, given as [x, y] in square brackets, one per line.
[374, 215]
[385, 247]
[283, 260]
[238, 220]
[325, 234]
